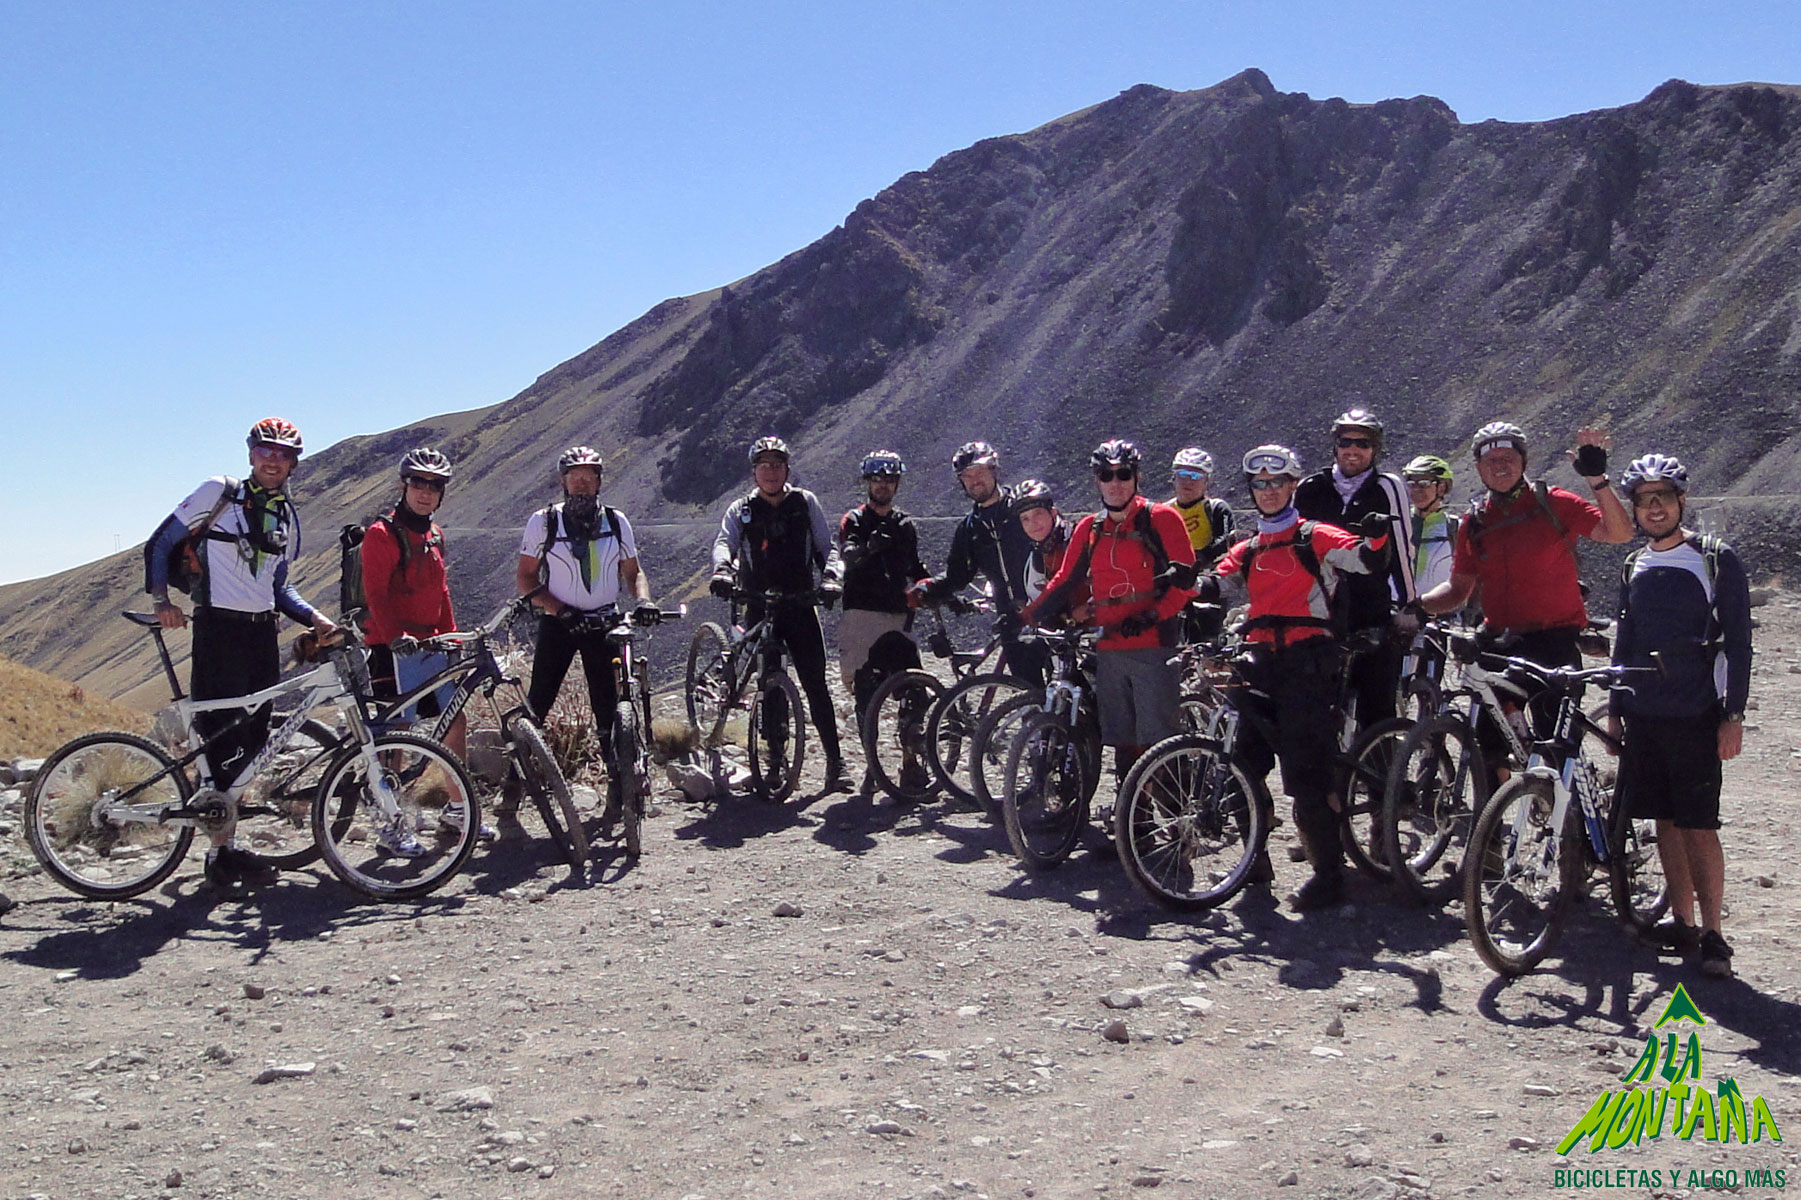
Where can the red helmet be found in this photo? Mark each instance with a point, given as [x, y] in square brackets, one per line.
[274, 431]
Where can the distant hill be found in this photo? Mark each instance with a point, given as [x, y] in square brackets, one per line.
[1224, 266]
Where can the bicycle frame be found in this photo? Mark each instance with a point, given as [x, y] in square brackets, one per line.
[479, 670]
[1559, 759]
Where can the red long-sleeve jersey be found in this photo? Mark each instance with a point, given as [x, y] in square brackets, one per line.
[415, 601]
[1288, 601]
[1120, 571]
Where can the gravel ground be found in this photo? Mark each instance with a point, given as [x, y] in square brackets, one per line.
[839, 998]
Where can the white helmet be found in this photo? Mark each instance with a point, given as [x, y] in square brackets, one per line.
[1274, 460]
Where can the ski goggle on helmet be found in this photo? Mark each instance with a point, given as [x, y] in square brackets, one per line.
[1272, 459]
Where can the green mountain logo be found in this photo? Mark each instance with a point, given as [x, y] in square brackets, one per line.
[1664, 1090]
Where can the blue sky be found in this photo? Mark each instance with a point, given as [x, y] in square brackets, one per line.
[359, 214]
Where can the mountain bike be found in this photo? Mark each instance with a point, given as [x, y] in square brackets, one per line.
[1192, 820]
[530, 763]
[1054, 760]
[1540, 835]
[629, 755]
[722, 669]
[1440, 777]
[899, 743]
[111, 815]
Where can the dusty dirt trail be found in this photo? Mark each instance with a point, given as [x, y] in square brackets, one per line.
[931, 1022]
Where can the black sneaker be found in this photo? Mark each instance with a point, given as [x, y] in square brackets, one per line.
[228, 867]
[1674, 934]
[1324, 890]
[1716, 955]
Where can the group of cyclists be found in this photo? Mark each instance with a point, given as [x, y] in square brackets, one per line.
[1344, 550]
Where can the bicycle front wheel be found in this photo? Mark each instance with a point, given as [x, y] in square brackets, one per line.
[955, 718]
[988, 749]
[402, 830]
[545, 784]
[1045, 803]
[631, 766]
[1520, 875]
[894, 734]
[1635, 878]
[92, 838]
[272, 813]
[709, 681]
[1190, 823]
[1362, 784]
[777, 738]
[1436, 786]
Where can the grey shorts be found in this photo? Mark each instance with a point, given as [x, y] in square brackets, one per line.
[1138, 695]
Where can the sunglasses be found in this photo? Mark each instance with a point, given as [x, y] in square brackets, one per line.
[430, 485]
[1118, 475]
[1345, 443]
[1421, 483]
[267, 453]
[1191, 475]
[1663, 498]
[1268, 485]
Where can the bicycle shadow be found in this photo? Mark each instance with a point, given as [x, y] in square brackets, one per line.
[1610, 969]
[510, 863]
[974, 836]
[98, 940]
[727, 822]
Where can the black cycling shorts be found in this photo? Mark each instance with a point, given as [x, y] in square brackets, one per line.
[1670, 769]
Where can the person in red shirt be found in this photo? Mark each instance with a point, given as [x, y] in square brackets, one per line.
[1291, 570]
[406, 589]
[1138, 565]
[1518, 544]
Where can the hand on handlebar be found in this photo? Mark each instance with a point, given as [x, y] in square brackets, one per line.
[404, 646]
[721, 586]
[647, 613]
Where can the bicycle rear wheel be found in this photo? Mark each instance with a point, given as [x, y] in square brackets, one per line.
[894, 737]
[1362, 784]
[273, 825]
[76, 836]
[1520, 875]
[1437, 785]
[955, 718]
[709, 681]
[1045, 802]
[777, 737]
[433, 811]
[1189, 823]
[545, 784]
[631, 767]
[1635, 877]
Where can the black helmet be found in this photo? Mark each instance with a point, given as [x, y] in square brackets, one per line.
[1114, 452]
[1358, 418]
[579, 456]
[769, 445]
[1029, 494]
[975, 454]
[882, 462]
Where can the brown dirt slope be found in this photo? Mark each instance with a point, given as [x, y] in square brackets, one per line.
[38, 712]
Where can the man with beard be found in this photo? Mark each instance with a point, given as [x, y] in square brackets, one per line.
[775, 539]
[879, 546]
[580, 559]
[1342, 495]
[1683, 598]
[990, 543]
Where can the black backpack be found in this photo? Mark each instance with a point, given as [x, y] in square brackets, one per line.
[186, 564]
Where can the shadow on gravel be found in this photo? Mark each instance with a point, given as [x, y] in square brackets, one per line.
[974, 836]
[113, 940]
[1603, 979]
[731, 822]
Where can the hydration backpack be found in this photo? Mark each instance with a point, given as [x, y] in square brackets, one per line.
[186, 563]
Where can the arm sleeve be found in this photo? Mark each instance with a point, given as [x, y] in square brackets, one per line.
[1346, 551]
[381, 558]
[851, 545]
[731, 533]
[1579, 517]
[160, 549]
[1220, 517]
[628, 541]
[825, 547]
[1166, 523]
[287, 599]
[1401, 561]
[909, 551]
[1732, 601]
[1058, 594]
[959, 564]
[1623, 638]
